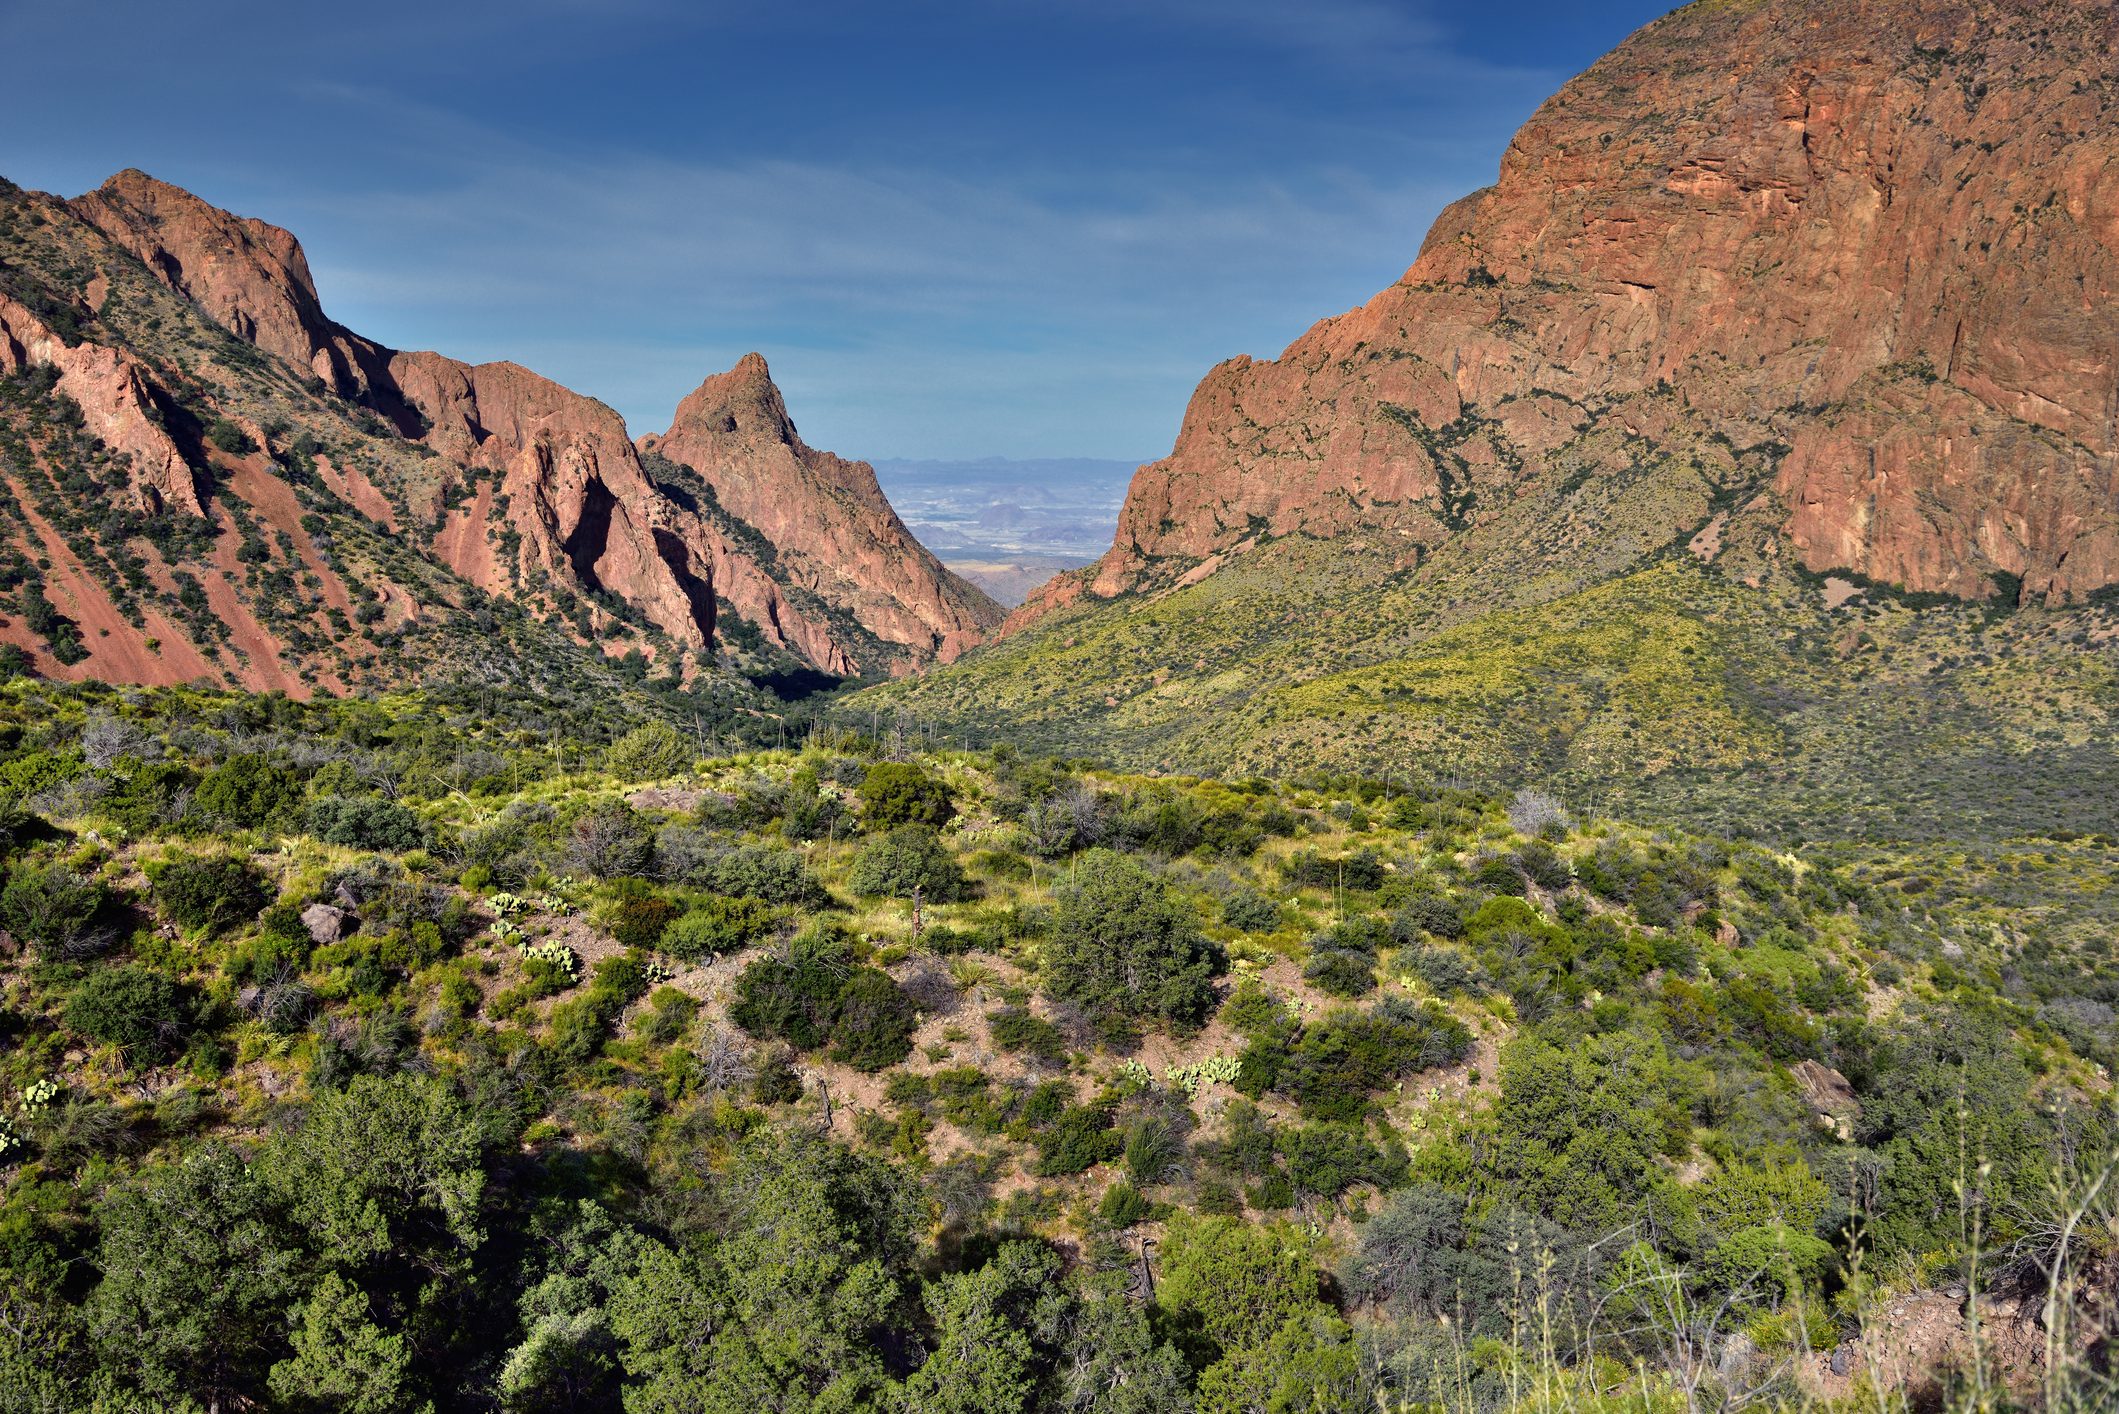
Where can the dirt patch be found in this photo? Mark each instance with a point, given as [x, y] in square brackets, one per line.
[1708, 543]
[1915, 1340]
[352, 485]
[1840, 591]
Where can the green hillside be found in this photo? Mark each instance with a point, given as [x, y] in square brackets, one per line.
[436, 1052]
[1736, 694]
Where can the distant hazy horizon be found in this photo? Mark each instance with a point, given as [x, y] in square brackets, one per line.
[1009, 523]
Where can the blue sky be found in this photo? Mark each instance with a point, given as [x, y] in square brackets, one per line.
[955, 229]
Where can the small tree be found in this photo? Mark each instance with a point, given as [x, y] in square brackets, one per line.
[909, 862]
[899, 793]
[1121, 945]
[196, 1279]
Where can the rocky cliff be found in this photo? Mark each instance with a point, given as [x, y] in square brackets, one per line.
[523, 490]
[831, 528]
[1856, 258]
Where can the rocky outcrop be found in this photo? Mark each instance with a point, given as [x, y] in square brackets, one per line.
[247, 276]
[115, 403]
[830, 573]
[831, 528]
[573, 490]
[1873, 241]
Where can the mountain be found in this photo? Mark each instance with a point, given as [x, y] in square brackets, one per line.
[833, 534]
[1763, 416]
[1859, 256]
[292, 503]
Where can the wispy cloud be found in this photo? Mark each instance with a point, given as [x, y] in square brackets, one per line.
[956, 227]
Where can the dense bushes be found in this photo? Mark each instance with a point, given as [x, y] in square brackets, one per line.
[815, 994]
[1122, 948]
[468, 1078]
[212, 893]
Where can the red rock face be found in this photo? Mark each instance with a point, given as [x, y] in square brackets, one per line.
[115, 402]
[1880, 237]
[827, 519]
[249, 277]
[842, 583]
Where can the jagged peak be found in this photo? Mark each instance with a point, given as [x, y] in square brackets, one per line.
[133, 206]
[744, 399]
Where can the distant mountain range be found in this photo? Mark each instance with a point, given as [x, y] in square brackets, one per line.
[1009, 525]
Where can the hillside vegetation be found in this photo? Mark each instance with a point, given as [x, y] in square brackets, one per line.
[404, 1054]
[1733, 692]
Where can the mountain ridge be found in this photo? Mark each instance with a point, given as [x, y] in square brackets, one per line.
[1720, 354]
[523, 489]
[1780, 249]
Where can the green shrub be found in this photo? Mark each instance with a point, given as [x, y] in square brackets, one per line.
[1359, 872]
[246, 792]
[211, 893]
[719, 925]
[366, 822]
[668, 1016]
[650, 752]
[793, 997]
[898, 793]
[148, 798]
[1251, 1009]
[1121, 946]
[133, 1008]
[815, 995]
[909, 862]
[1348, 1055]
[641, 921]
[229, 438]
[1250, 912]
[1015, 1029]
[56, 910]
[1121, 1207]
[873, 1022]
[1078, 1140]
[1239, 1281]
[778, 876]
[777, 1081]
[1325, 1160]
[1343, 958]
